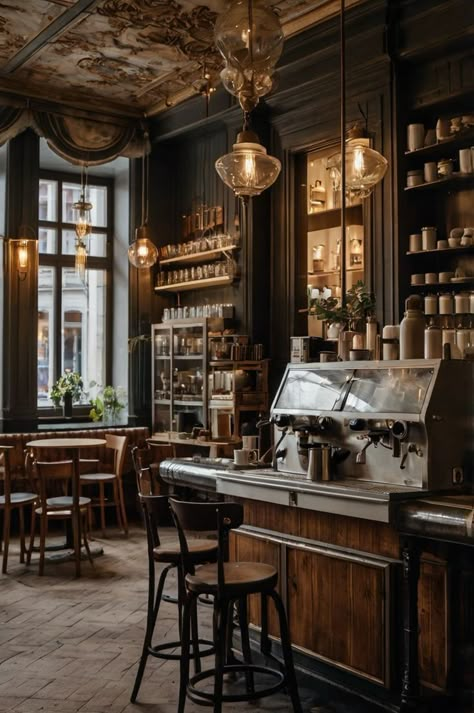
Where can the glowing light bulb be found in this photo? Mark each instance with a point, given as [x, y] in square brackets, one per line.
[359, 168]
[23, 255]
[249, 168]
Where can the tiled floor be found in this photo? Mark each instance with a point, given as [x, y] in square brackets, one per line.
[71, 645]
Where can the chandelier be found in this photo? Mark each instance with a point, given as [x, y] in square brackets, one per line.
[142, 253]
[83, 226]
[249, 37]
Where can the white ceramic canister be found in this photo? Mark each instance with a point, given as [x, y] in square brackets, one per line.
[463, 340]
[446, 304]
[471, 303]
[371, 335]
[448, 336]
[412, 329]
[390, 342]
[462, 303]
[415, 178]
[428, 238]
[433, 346]
[431, 304]
[414, 242]
[415, 136]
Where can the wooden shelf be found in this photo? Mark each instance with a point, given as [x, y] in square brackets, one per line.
[457, 141]
[196, 284]
[358, 268]
[332, 218]
[467, 249]
[453, 180]
[446, 285]
[187, 356]
[199, 257]
[185, 402]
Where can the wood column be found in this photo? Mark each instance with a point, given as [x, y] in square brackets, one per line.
[20, 292]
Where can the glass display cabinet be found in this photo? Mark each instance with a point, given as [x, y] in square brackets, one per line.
[323, 260]
[179, 375]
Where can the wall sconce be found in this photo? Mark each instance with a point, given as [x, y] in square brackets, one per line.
[21, 250]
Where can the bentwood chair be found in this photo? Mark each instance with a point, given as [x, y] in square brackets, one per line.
[54, 479]
[119, 445]
[13, 500]
[229, 583]
[168, 556]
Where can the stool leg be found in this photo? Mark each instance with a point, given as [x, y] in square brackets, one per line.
[287, 654]
[152, 613]
[21, 516]
[244, 633]
[265, 642]
[32, 533]
[185, 646]
[195, 637]
[222, 613]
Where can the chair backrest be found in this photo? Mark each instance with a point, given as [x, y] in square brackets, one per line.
[119, 445]
[5, 474]
[206, 517]
[53, 477]
[153, 507]
[146, 462]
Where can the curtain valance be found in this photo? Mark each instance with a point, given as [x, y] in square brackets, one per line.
[77, 139]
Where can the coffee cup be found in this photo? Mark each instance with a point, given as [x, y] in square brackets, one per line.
[244, 457]
[250, 443]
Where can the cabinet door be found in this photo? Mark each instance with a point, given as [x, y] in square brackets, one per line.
[161, 378]
[189, 389]
[338, 610]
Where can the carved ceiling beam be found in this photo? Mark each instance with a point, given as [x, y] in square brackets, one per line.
[53, 30]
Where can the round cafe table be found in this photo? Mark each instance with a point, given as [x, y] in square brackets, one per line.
[73, 445]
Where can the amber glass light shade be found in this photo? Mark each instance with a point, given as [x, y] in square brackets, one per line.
[83, 220]
[365, 168]
[142, 253]
[248, 170]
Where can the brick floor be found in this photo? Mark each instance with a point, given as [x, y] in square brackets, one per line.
[72, 645]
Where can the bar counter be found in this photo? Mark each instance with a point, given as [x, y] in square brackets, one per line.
[377, 580]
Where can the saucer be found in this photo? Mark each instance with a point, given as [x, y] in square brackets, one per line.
[462, 279]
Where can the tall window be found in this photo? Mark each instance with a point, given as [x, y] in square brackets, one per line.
[73, 314]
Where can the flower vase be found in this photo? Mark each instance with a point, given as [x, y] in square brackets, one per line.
[67, 405]
[108, 417]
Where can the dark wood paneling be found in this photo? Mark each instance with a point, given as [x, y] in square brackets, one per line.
[433, 643]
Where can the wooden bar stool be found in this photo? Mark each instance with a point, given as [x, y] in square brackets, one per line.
[200, 551]
[228, 583]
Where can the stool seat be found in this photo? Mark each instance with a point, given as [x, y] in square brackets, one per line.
[240, 578]
[200, 551]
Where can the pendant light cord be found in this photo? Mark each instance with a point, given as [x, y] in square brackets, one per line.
[145, 177]
[342, 33]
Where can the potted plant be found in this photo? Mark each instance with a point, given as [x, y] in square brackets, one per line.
[359, 305]
[107, 404]
[68, 389]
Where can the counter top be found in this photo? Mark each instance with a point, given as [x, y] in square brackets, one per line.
[350, 497]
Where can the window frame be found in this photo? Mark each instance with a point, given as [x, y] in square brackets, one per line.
[57, 261]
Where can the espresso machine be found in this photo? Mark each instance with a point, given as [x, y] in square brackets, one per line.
[397, 426]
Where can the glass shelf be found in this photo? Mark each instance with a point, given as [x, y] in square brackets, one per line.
[196, 284]
[199, 257]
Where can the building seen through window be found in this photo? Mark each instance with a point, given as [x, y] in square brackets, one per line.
[72, 313]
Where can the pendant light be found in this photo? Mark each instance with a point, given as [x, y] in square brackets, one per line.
[249, 37]
[363, 167]
[248, 169]
[83, 226]
[142, 253]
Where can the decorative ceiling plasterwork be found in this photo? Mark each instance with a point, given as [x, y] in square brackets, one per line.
[133, 57]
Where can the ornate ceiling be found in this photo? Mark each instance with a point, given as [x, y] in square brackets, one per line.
[131, 57]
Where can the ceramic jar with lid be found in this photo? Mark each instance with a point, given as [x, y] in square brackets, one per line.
[412, 329]
[431, 304]
[433, 346]
[462, 303]
[415, 178]
[446, 303]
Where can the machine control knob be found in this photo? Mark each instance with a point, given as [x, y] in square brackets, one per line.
[357, 424]
[281, 420]
[325, 423]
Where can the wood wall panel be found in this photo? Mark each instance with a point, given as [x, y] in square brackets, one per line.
[336, 609]
[433, 642]
[244, 548]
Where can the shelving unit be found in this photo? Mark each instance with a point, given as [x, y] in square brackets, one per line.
[450, 181]
[235, 388]
[438, 150]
